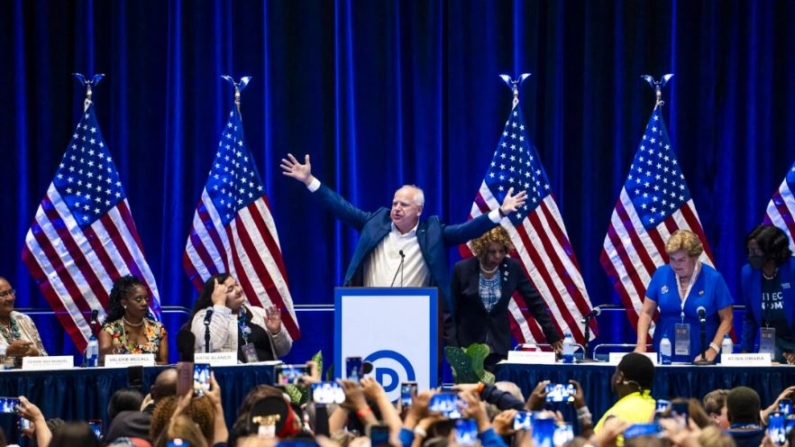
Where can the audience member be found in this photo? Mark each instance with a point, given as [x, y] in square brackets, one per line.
[715, 407]
[742, 410]
[127, 329]
[254, 333]
[632, 383]
[126, 399]
[74, 434]
[165, 385]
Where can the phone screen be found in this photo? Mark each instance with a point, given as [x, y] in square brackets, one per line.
[663, 405]
[523, 420]
[327, 393]
[785, 406]
[290, 374]
[353, 368]
[201, 378]
[96, 427]
[25, 424]
[135, 377]
[9, 405]
[680, 409]
[407, 392]
[641, 430]
[776, 429]
[563, 434]
[559, 392]
[447, 404]
[466, 432]
[544, 428]
[379, 435]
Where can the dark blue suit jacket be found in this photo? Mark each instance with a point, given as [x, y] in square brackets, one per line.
[474, 324]
[752, 298]
[433, 237]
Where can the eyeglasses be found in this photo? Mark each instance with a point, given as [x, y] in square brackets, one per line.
[5, 293]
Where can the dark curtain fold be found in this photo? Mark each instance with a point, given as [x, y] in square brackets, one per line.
[392, 92]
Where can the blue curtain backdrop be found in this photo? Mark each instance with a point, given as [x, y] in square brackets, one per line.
[382, 93]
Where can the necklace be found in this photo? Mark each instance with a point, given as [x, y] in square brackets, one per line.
[771, 276]
[489, 272]
[131, 324]
[11, 332]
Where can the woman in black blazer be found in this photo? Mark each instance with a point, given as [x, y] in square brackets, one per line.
[482, 287]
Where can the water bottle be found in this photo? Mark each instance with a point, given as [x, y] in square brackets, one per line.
[727, 345]
[568, 349]
[665, 351]
[92, 352]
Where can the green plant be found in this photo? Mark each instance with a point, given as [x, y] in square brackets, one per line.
[467, 363]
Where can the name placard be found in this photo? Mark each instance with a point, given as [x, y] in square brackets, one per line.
[614, 358]
[54, 362]
[125, 360]
[760, 359]
[216, 358]
[531, 357]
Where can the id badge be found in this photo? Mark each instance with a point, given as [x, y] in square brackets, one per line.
[682, 339]
[250, 353]
[767, 341]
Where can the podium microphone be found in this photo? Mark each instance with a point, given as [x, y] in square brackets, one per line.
[702, 320]
[207, 317]
[399, 270]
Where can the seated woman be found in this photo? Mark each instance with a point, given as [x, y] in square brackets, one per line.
[19, 334]
[126, 329]
[256, 334]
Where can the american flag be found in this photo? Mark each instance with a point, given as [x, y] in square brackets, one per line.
[654, 202]
[83, 237]
[233, 230]
[538, 234]
[782, 206]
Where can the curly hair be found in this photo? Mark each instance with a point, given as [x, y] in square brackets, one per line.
[496, 234]
[121, 288]
[200, 410]
[183, 428]
[205, 298]
[686, 241]
[773, 242]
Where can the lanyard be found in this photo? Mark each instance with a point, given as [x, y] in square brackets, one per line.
[245, 331]
[693, 277]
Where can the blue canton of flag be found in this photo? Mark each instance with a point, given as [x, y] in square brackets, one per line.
[87, 178]
[234, 181]
[516, 165]
[655, 183]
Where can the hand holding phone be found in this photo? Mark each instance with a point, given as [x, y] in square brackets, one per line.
[776, 429]
[785, 406]
[407, 392]
[290, 374]
[523, 420]
[560, 392]
[466, 432]
[327, 393]
[9, 405]
[353, 368]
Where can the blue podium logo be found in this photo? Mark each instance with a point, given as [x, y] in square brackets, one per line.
[382, 372]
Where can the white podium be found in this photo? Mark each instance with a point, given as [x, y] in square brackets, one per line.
[395, 329]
